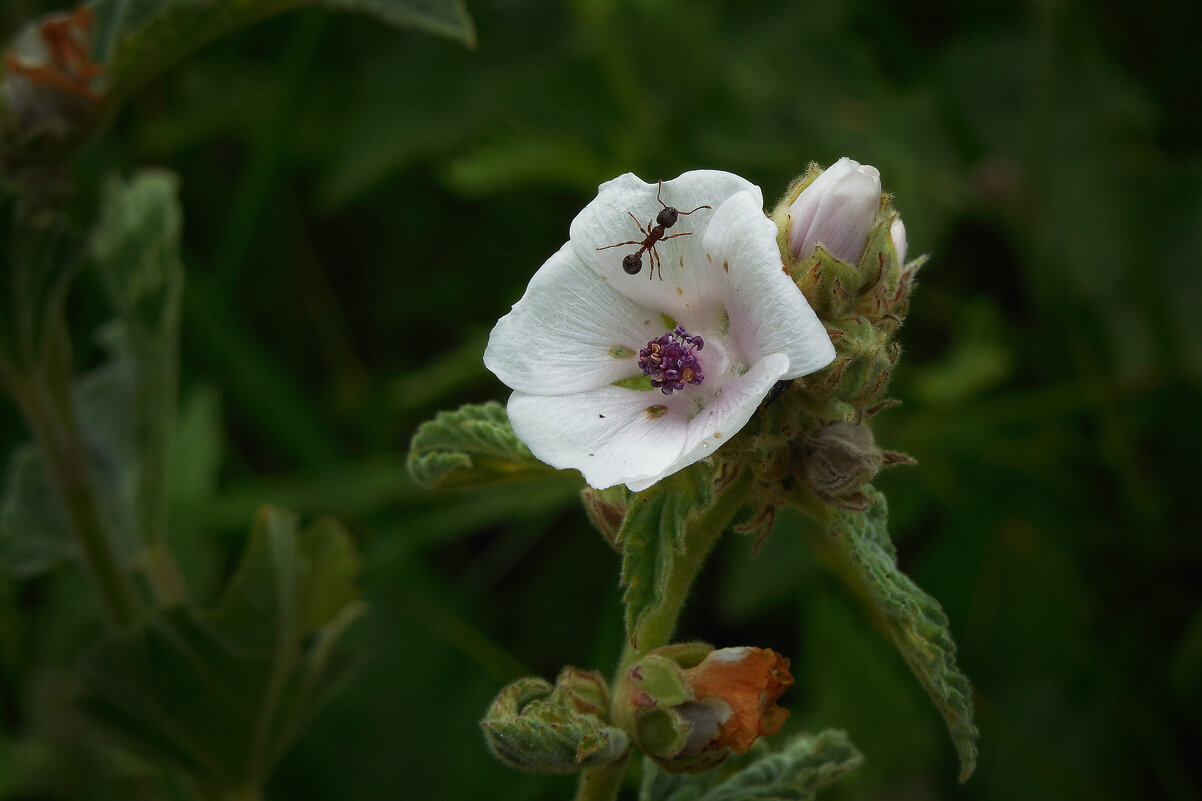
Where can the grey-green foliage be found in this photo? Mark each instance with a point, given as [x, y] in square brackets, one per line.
[223, 693]
[471, 446]
[804, 767]
[914, 619]
[652, 538]
[138, 39]
[35, 532]
[135, 248]
[125, 408]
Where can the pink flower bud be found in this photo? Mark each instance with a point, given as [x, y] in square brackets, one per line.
[897, 232]
[836, 211]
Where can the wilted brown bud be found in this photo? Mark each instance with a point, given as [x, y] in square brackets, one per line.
[838, 460]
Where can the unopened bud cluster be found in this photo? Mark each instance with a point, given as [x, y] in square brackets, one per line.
[845, 246]
[687, 706]
[560, 728]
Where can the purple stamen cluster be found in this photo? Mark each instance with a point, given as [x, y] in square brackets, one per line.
[670, 362]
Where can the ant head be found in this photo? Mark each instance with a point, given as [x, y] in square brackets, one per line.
[667, 217]
[632, 264]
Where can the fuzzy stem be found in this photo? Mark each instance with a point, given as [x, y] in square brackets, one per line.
[602, 783]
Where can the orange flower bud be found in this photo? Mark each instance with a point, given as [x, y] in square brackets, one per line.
[689, 706]
[748, 681]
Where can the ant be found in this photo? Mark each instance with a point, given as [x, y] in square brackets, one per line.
[667, 217]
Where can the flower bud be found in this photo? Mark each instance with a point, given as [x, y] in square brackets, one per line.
[534, 726]
[838, 461]
[836, 211]
[51, 89]
[689, 706]
[897, 232]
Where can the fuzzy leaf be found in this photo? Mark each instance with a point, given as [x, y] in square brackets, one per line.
[652, 538]
[471, 446]
[223, 693]
[803, 768]
[914, 619]
[531, 727]
[138, 39]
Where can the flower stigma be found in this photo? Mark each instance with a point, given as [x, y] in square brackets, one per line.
[670, 362]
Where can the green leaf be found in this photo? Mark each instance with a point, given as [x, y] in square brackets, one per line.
[223, 693]
[138, 39]
[446, 17]
[200, 441]
[803, 768]
[913, 618]
[135, 248]
[653, 539]
[469, 447]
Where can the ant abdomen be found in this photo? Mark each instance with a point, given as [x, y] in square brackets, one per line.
[632, 264]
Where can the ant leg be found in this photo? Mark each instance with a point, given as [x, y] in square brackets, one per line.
[682, 233]
[655, 262]
[642, 230]
[619, 244]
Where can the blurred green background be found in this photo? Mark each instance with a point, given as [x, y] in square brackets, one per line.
[361, 205]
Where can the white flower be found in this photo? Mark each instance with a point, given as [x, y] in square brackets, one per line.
[570, 348]
[836, 211]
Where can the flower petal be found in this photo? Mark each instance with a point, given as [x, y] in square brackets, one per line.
[570, 332]
[897, 232]
[749, 681]
[768, 313]
[727, 411]
[607, 434]
[836, 211]
[679, 282]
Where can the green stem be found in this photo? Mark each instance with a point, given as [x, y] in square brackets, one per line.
[67, 461]
[703, 533]
[602, 783]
